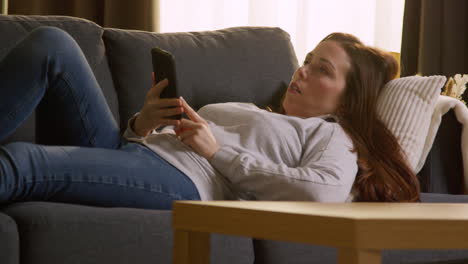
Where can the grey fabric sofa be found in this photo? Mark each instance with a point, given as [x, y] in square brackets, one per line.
[250, 64]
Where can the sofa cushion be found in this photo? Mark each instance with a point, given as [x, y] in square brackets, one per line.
[405, 106]
[67, 233]
[88, 36]
[9, 240]
[280, 252]
[244, 64]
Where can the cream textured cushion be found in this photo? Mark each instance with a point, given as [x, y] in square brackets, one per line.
[406, 106]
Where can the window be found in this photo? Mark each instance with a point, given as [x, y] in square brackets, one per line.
[375, 22]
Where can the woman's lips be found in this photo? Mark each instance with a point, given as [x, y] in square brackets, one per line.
[293, 88]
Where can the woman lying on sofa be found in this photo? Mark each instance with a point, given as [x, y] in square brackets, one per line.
[324, 142]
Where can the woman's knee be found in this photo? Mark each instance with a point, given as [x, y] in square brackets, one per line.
[17, 155]
[18, 147]
[12, 165]
[48, 39]
[49, 35]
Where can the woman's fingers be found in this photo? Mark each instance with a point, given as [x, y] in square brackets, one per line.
[170, 111]
[170, 122]
[161, 103]
[192, 114]
[198, 136]
[156, 111]
[157, 88]
[187, 123]
[165, 107]
[185, 134]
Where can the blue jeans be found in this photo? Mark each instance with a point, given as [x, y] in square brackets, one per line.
[93, 165]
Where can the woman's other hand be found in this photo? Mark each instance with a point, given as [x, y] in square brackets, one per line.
[154, 112]
[196, 133]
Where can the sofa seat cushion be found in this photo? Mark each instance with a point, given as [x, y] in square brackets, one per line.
[241, 64]
[67, 233]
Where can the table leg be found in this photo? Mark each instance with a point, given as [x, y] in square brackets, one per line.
[359, 256]
[191, 247]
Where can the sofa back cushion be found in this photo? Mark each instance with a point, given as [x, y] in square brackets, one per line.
[240, 64]
[88, 36]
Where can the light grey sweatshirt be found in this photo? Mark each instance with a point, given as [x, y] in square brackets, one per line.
[263, 155]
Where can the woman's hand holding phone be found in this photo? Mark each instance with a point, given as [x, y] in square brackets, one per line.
[156, 111]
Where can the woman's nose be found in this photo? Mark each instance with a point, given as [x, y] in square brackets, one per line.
[302, 72]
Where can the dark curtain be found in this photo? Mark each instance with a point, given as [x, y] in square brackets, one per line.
[125, 14]
[435, 39]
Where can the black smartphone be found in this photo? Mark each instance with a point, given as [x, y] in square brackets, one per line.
[164, 66]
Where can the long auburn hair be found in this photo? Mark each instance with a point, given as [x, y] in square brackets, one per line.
[384, 174]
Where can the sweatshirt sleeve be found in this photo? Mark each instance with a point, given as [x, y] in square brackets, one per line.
[324, 175]
[132, 135]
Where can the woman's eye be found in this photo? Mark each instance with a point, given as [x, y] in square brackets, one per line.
[323, 69]
[306, 62]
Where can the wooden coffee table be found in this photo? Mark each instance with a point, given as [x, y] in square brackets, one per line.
[359, 230]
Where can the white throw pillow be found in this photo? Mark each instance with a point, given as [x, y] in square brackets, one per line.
[406, 106]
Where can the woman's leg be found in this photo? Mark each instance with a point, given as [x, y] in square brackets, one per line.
[48, 69]
[132, 176]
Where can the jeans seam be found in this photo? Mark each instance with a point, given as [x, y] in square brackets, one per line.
[172, 195]
[84, 120]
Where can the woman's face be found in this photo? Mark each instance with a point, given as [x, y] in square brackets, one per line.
[316, 86]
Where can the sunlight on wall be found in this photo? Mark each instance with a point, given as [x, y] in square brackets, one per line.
[375, 22]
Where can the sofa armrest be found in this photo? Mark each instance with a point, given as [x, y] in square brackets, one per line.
[443, 169]
[9, 240]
